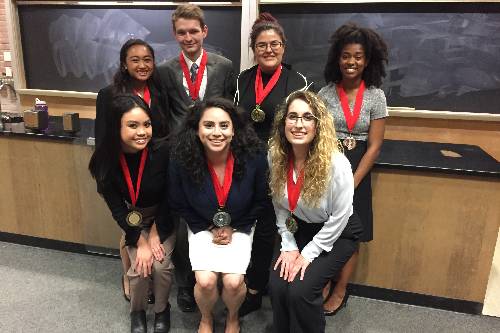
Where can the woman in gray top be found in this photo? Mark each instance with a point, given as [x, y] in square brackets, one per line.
[354, 72]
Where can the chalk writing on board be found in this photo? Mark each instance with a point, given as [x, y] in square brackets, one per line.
[89, 46]
[439, 54]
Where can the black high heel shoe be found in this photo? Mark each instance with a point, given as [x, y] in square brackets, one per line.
[342, 305]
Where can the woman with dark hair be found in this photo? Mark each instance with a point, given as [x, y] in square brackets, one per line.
[135, 75]
[131, 172]
[312, 188]
[260, 89]
[218, 185]
[354, 73]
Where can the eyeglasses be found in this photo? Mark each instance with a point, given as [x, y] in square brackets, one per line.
[275, 46]
[306, 118]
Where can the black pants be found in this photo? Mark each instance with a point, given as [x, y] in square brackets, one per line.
[264, 238]
[184, 275]
[298, 306]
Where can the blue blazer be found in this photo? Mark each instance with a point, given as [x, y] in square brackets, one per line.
[246, 202]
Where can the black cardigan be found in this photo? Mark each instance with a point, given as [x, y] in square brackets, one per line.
[288, 82]
[152, 192]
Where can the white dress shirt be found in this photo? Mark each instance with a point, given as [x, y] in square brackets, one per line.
[203, 86]
[334, 209]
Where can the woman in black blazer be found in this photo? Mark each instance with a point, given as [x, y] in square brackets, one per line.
[136, 75]
[218, 184]
[131, 175]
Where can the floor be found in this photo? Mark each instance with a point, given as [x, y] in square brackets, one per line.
[51, 291]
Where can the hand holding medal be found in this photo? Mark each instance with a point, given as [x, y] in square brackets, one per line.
[134, 217]
[351, 118]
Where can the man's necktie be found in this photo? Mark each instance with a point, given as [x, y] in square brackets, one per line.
[194, 72]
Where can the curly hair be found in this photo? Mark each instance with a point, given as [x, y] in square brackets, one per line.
[265, 22]
[318, 162]
[188, 151]
[122, 81]
[375, 51]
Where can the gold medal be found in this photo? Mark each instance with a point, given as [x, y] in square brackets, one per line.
[349, 143]
[134, 218]
[257, 114]
[291, 224]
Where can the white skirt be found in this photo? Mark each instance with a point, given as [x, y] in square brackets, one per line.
[231, 258]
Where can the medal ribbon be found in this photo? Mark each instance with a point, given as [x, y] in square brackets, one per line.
[261, 92]
[222, 192]
[134, 195]
[194, 87]
[351, 118]
[147, 95]
[292, 188]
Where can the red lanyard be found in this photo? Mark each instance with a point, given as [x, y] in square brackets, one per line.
[222, 192]
[194, 88]
[126, 172]
[146, 97]
[261, 92]
[351, 118]
[293, 189]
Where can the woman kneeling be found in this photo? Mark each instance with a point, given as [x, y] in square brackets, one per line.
[312, 187]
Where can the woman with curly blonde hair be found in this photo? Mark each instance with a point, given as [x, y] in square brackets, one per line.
[312, 188]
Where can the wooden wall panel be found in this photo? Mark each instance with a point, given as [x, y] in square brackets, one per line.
[434, 234]
[50, 193]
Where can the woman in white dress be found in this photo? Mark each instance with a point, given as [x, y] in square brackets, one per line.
[218, 176]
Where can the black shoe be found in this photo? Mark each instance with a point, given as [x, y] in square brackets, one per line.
[138, 322]
[342, 305]
[185, 299]
[250, 304]
[162, 321]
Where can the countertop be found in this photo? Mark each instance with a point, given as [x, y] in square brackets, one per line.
[440, 157]
[395, 154]
[55, 132]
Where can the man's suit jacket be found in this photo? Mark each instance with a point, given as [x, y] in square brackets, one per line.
[221, 82]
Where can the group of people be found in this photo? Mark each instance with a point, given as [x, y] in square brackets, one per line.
[202, 169]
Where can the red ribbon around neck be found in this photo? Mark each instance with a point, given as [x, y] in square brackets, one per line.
[222, 192]
[261, 92]
[134, 195]
[147, 95]
[293, 189]
[194, 87]
[351, 118]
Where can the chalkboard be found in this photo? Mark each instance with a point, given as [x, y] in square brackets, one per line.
[77, 47]
[443, 57]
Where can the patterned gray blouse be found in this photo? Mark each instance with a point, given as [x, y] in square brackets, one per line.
[374, 107]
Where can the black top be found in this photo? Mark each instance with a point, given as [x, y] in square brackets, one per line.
[197, 204]
[152, 192]
[158, 112]
[288, 82]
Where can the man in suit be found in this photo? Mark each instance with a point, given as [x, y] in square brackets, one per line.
[196, 81]
[194, 75]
